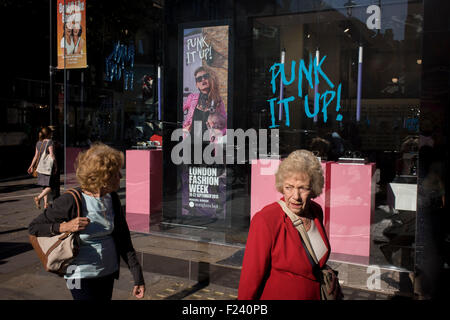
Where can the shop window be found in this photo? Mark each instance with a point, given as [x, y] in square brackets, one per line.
[372, 75]
[114, 98]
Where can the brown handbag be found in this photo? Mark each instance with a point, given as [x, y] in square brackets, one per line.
[325, 276]
[57, 252]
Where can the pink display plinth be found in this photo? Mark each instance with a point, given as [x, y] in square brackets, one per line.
[324, 199]
[71, 156]
[347, 201]
[143, 187]
[352, 202]
[138, 222]
[263, 191]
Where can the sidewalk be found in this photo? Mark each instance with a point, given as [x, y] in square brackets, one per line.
[174, 269]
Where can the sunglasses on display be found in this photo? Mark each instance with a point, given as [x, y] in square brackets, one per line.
[200, 78]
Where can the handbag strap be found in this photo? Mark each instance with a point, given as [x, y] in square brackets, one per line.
[77, 196]
[39, 156]
[298, 224]
[46, 145]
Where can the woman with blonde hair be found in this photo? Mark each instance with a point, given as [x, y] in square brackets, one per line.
[47, 181]
[277, 264]
[102, 227]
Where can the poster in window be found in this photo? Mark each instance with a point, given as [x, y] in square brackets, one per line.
[71, 34]
[205, 100]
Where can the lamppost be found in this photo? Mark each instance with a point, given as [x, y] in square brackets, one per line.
[349, 5]
[51, 68]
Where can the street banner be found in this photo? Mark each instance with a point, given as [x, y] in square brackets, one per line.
[71, 34]
[205, 99]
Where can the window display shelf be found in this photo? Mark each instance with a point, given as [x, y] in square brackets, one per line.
[402, 196]
[143, 188]
[347, 201]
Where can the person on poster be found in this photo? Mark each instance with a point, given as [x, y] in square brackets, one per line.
[217, 126]
[199, 106]
[276, 265]
[78, 41]
[67, 43]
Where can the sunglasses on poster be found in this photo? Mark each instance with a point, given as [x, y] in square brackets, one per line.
[200, 78]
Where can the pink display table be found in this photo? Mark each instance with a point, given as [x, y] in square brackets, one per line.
[347, 201]
[71, 156]
[143, 188]
[324, 198]
[352, 203]
[263, 191]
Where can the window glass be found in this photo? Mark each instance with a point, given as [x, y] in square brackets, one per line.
[114, 99]
[365, 123]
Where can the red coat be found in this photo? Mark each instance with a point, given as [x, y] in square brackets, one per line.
[276, 266]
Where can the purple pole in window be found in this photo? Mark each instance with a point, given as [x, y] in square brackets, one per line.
[316, 89]
[159, 93]
[358, 96]
[280, 114]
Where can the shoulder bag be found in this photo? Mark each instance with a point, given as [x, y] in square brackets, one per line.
[34, 172]
[324, 274]
[45, 165]
[57, 252]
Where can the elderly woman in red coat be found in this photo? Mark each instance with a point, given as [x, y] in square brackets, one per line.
[276, 265]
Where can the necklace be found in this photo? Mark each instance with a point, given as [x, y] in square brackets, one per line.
[100, 201]
[203, 108]
[306, 223]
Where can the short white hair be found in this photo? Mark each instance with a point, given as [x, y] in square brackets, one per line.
[301, 162]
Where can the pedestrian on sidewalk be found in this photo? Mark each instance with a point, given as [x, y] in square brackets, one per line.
[102, 227]
[47, 181]
[276, 264]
